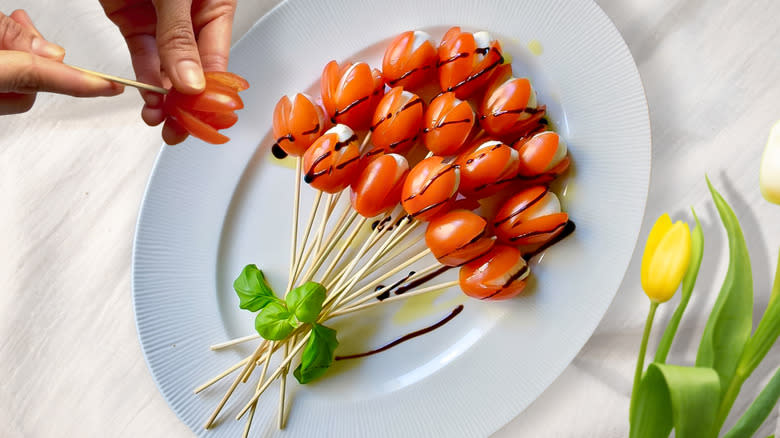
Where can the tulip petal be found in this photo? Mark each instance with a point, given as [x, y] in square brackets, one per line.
[669, 263]
[660, 228]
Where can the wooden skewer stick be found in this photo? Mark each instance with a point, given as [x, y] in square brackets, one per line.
[343, 249]
[283, 387]
[233, 386]
[389, 256]
[235, 341]
[221, 375]
[389, 274]
[266, 361]
[301, 256]
[333, 200]
[296, 204]
[331, 242]
[123, 81]
[276, 374]
[365, 142]
[413, 293]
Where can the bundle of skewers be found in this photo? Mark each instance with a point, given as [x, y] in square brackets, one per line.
[412, 153]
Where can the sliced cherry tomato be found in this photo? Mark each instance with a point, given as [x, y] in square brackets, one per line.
[397, 121]
[298, 122]
[541, 153]
[219, 120]
[216, 97]
[447, 124]
[232, 80]
[430, 188]
[498, 275]
[350, 93]
[410, 60]
[333, 161]
[531, 217]
[378, 188]
[467, 61]
[484, 171]
[457, 237]
[510, 105]
[196, 127]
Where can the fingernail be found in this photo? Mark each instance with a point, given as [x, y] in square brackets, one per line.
[44, 48]
[191, 74]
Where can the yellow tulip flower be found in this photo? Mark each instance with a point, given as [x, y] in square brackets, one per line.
[666, 257]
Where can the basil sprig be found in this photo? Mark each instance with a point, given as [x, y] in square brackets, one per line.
[318, 354]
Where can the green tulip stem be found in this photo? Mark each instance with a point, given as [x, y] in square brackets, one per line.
[728, 401]
[640, 362]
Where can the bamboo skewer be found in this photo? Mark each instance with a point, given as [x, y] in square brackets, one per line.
[221, 375]
[235, 341]
[266, 361]
[302, 257]
[294, 234]
[319, 259]
[390, 273]
[123, 81]
[413, 293]
[276, 374]
[342, 250]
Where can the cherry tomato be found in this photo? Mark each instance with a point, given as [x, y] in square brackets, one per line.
[430, 188]
[467, 61]
[498, 275]
[231, 80]
[510, 106]
[202, 114]
[215, 97]
[410, 60]
[531, 217]
[483, 171]
[219, 120]
[397, 122]
[378, 188]
[457, 237]
[541, 153]
[333, 160]
[350, 93]
[195, 126]
[298, 122]
[447, 124]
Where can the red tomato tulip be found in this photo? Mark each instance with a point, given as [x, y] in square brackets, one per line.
[333, 160]
[350, 93]
[410, 60]
[457, 237]
[447, 124]
[378, 188]
[509, 107]
[298, 122]
[430, 188]
[531, 217]
[467, 61]
[483, 172]
[397, 121]
[498, 275]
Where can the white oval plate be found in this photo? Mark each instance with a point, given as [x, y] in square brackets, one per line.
[209, 210]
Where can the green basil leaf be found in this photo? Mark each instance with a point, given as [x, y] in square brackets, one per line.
[252, 289]
[758, 411]
[670, 396]
[305, 301]
[273, 322]
[728, 327]
[318, 354]
[689, 280]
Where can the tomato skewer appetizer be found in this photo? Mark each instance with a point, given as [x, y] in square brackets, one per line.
[483, 171]
[447, 125]
[498, 275]
[298, 122]
[430, 188]
[410, 59]
[397, 122]
[467, 61]
[510, 106]
[333, 160]
[203, 114]
[458, 237]
[350, 92]
[378, 188]
[531, 217]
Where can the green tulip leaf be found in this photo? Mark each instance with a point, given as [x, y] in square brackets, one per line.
[671, 396]
[689, 280]
[728, 327]
[758, 411]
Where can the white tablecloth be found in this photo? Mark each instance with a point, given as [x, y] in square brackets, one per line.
[72, 174]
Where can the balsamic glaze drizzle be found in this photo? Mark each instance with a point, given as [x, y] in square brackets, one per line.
[407, 337]
[567, 229]
[278, 152]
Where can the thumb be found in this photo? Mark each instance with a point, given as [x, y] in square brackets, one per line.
[179, 56]
[22, 72]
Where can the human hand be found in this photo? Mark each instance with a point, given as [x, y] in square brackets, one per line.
[29, 63]
[172, 42]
